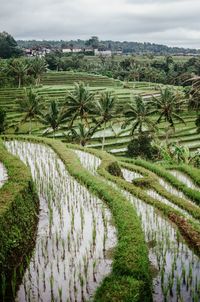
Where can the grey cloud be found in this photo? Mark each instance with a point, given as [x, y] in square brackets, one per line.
[172, 22]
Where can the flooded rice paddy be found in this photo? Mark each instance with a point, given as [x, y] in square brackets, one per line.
[130, 175]
[185, 179]
[75, 234]
[176, 267]
[3, 174]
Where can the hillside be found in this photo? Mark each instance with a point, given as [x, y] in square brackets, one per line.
[125, 46]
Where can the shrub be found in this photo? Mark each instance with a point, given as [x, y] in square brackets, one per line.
[142, 146]
[143, 182]
[114, 169]
[2, 121]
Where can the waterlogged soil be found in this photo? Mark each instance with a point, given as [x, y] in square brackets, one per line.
[130, 175]
[91, 162]
[178, 267]
[185, 179]
[168, 187]
[74, 234]
[164, 200]
[3, 174]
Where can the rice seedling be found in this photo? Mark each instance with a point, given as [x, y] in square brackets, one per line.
[70, 219]
[169, 252]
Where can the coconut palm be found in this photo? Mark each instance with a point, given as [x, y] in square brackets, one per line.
[20, 69]
[81, 134]
[38, 67]
[105, 108]
[137, 114]
[31, 105]
[54, 117]
[194, 100]
[168, 105]
[78, 103]
[197, 123]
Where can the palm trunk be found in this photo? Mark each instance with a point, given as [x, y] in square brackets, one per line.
[19, 82]
[30, 126]
[167, 135]
[103, 141]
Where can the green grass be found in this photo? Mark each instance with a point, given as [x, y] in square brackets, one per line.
[190, 229]
[18, 218]
[130, 262]
[160, 171]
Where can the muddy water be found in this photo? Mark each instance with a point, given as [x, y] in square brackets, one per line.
[130, 175]
[90, 163]
[74, 233]
[3, 175]
[164, 200]
[184, 178]
[176, 267]
[168, 187]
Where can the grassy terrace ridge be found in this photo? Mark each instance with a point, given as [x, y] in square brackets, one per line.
[194, 195]
[191, 171]
[18, 220]
[130, 274]
[192, 209]
[68, 78]
[189, 229]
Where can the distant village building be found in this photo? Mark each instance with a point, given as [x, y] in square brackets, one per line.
[36, 52]
[66, 50]
[106, 53]
[117, 52]
[72, 50]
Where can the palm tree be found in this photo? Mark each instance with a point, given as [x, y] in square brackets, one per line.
[194, 100]
[78, 103]
[31, 105]
[167, 106]
[81, 134]
[197, 123]
[19, 68]
[138, 114]
[38, 67]
[105, 108]
[54, 117]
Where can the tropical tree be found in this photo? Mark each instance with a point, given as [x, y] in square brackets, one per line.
[38, 67]
[78, 103]
[31, 105]
[54, 117]
[194, 100]
[197, 123]
[20, 69]
[105, 108]
[3, 123]
[168, 105]
[81, 134]
[142, 146]
[137, 114]
[8, 46]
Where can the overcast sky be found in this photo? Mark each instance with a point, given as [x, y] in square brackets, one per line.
[170, 22]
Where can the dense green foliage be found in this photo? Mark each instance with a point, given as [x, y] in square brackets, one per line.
[142, 146]
[2, 120]
[18, 220]
[8, 46]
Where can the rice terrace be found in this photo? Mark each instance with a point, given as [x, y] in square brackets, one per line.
[99, 171]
